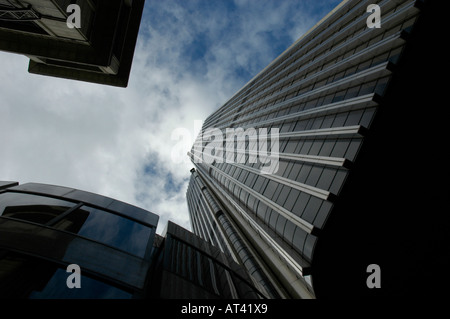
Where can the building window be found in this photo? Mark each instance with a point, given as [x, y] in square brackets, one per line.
[27, 277]
[32, 208]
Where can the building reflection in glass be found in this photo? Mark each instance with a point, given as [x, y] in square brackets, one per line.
[45, 228]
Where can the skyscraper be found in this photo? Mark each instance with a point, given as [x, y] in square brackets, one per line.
[326, 117]
[86, 40]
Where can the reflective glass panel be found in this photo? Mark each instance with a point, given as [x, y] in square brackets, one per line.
[112, 230]
[56, 288]
[33, 208]
[26, 277]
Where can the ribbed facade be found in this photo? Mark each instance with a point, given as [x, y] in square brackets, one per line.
[321, 95]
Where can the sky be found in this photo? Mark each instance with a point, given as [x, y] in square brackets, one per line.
[190, 58]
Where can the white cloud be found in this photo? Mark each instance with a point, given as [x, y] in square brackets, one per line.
[117, 142]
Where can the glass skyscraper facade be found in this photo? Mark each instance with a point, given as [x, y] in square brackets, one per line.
[320, 102]
[44, 228]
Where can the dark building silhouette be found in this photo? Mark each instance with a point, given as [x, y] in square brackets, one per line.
[350, 105]
[100, 51]
[45, 228]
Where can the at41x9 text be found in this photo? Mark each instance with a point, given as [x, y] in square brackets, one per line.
[232, 308]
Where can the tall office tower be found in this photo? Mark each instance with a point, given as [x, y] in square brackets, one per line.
[299, 176]
[96, 46]
[47, 232]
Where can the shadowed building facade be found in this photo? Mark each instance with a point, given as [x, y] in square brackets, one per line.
[100, 51]
[341, 99]
[46, 228]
